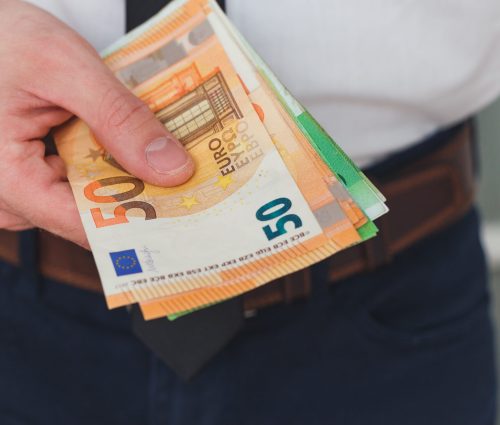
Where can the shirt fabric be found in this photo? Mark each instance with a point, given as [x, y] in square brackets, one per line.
[378, 75]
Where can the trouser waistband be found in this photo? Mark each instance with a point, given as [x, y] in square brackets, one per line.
[428, 187]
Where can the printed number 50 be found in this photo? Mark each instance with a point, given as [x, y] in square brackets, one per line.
[273, 210]
[120, 212]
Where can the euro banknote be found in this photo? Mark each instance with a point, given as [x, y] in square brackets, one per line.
[360, 187]
[272, 193]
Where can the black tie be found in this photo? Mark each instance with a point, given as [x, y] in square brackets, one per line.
[188, 343]
[139, 11]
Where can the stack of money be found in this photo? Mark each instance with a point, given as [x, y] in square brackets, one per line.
[272, 192]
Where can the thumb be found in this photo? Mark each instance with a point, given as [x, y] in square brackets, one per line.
[137, 140]
[124, 125]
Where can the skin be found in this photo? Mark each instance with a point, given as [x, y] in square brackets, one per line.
[49, 73]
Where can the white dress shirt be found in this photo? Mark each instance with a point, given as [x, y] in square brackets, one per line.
[379, 75]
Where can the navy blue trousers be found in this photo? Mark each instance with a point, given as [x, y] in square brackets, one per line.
[408, 344]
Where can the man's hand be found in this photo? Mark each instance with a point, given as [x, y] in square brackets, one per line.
[47, 74]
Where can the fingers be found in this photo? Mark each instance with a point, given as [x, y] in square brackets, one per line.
[48, 72]
[39, 59]
[121, 122]
[54, 209]
[138, 141]
[35, 190]
[60, 216]
[57, 165]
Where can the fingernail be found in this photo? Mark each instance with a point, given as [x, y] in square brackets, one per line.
[167, 156]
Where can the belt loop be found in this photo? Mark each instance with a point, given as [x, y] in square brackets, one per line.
[30, 281]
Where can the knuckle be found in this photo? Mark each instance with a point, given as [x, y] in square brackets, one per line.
[27, 150]
[36, 56]
[18, 159]
[7, 130]
[43, 67]
[123, 112]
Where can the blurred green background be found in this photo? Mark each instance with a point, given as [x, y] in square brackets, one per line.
[489, 201]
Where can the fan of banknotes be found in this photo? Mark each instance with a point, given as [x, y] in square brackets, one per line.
[272, 192]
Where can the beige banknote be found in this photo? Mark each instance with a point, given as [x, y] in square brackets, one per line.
[241, 221]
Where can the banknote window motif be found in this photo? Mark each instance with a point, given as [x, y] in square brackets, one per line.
[199, 111]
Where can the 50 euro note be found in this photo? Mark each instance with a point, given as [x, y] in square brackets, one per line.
[362, 190]
[318, 186]
[241, 221]
[295, 150]
[261, 93]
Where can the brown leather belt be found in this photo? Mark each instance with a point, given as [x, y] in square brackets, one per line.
[423, 197]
